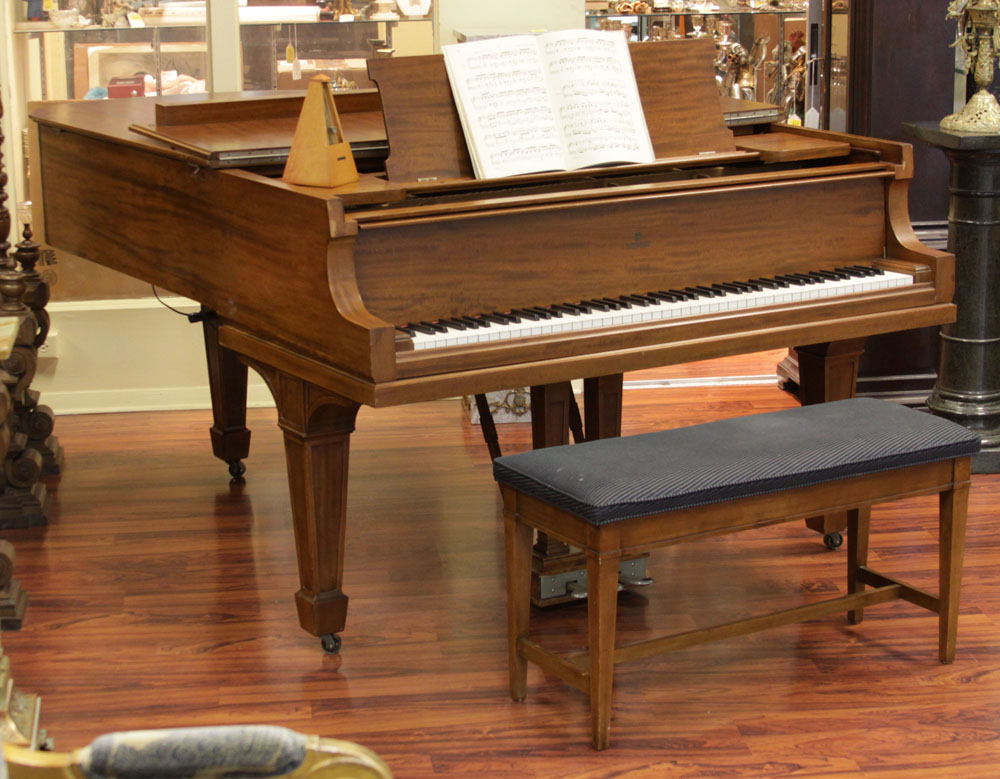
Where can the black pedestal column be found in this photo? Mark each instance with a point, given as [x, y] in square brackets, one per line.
[968, 384]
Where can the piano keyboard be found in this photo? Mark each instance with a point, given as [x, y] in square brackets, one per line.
[652, 306]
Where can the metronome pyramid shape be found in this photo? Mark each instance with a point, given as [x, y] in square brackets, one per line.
[319, 157]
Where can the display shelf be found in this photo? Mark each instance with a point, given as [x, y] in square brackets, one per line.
[751, 64]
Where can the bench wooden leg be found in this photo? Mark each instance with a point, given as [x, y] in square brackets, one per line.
[858, 523]
[602, 612]
[518, 538]
[954, 505]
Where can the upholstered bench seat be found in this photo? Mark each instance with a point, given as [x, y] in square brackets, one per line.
[632, 494]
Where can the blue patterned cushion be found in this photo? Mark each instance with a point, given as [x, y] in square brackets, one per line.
[619, 478]
[237, 751]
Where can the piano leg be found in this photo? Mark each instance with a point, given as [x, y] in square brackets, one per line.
[829, 371]
[317, 425]
[602, 406]
[550, 410]
[227, 382]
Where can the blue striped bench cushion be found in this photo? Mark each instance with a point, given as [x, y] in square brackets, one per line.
[620, 478]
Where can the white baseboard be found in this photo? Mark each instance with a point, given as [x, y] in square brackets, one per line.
[128, 355]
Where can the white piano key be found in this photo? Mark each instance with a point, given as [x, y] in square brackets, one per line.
[661, 310]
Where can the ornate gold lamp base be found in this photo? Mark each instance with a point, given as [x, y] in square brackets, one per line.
[980, 115]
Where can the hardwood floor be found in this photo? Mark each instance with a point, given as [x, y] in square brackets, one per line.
[162, 596]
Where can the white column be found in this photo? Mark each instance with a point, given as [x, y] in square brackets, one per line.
[13, 116]
[225, 61]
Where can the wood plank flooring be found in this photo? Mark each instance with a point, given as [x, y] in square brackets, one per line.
[162, 596]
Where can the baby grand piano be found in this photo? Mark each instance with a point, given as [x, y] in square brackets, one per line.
[419, 282]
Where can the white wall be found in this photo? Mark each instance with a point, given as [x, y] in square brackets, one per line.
[127, 355]
[507, 16]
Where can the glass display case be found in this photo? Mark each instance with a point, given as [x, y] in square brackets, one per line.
[162, 49]
[285, 55]
[762, 47]
[97, 62]
[96, 49]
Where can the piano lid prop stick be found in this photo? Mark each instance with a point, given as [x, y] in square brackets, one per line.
[320, 156]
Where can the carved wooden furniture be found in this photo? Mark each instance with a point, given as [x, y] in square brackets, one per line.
[638, 493]
[23, 498]
[310, 286]
[35, 420]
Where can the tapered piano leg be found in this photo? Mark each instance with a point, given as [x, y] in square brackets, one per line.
[829, 371]
[227, 382]
[317, 425]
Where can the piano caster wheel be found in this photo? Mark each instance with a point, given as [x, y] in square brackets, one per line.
[833, 540]
[330, 643]
[236, 468]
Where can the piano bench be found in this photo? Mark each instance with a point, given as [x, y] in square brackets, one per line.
[625, 495]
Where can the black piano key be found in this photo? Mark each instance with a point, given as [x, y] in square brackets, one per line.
[616, 304]
[730, 287]
[829, 275]
[770, 283]
[578, 308]
[683, 294]
[855, 272]
[468, 320]
[791, 280]
[531, 316]
[648, 298]
[598, 304]
[496, 319]
[696, 293]
[453, 324]
[422, 329]
[664, 297]
[870, 269]
[634, 300]
[560, 308]
[510, 317]
[434, 326]
[756, 286]
[408, 329]
[715, 293]
[548, 312]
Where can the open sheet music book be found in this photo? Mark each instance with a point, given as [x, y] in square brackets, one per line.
[557, 101]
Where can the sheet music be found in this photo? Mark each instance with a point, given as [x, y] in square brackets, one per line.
[507, 114]
[556, 101]
[595, 97]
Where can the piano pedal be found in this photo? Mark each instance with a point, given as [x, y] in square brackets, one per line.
[572, 585]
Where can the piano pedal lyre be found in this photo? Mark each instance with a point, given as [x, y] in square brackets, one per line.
[320, 155]
[560, 579]
[550, 589]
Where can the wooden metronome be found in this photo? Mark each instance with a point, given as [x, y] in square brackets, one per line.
[320, 155]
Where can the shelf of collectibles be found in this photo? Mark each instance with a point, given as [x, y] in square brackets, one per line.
[121, 49]
[761, 46]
